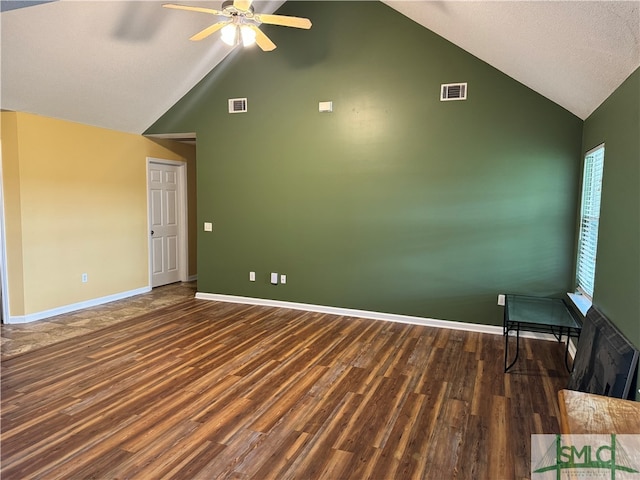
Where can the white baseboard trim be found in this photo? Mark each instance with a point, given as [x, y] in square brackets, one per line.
[32, 317]
[389, 317]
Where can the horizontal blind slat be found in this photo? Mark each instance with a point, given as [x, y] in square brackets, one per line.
[589, 219]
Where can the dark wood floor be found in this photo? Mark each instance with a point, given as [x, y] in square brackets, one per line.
[211, 390]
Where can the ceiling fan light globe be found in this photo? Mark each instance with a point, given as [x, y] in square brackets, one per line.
[229, 34]
[248, 36]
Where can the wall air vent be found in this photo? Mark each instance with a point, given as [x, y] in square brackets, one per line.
[453, 91]
[237, 105]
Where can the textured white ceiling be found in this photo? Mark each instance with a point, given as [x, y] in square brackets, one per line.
[122, 64]
[575, 53]
[113, 64]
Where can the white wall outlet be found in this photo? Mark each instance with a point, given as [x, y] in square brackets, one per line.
[274, 278]
[208, 227]
[85, 278]
[501, 300]
[283, 279]
[252, 276]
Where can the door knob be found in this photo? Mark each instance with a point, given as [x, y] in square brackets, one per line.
[152, 232]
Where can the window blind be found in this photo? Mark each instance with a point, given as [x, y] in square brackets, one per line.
[589, 219]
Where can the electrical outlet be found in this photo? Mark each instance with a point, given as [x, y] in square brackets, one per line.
[85, 278]
[501, 300]
[252, 276]
[283, 279]
[274, 278]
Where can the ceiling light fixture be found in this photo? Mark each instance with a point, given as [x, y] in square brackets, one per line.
[229, 34]
[233, 34]
[248, 36]
[242, 24]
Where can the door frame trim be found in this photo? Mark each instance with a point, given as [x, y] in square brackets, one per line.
[183, 217]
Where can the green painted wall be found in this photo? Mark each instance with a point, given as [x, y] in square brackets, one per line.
[395, 202]
[616, 123]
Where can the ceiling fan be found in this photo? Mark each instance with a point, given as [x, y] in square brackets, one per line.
[242, 23]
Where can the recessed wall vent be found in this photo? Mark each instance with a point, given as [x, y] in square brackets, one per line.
[237, 105]
[453, 91]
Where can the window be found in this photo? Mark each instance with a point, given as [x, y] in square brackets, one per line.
[589, 220]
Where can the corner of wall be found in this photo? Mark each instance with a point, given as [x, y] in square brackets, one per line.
[11, 215]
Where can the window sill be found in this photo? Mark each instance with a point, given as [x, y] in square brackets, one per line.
[581, 302]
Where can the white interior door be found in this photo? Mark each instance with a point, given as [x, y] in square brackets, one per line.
[164, 221]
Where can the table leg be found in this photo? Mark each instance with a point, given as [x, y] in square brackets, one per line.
[557, 335]
[506, 348]
[566, 352]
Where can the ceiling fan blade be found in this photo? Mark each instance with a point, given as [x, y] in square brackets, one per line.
[262, 40]
[192, 9]
[295, 22]
[242, 5]
[208, 31]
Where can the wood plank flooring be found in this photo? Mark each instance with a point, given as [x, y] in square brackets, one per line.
[209, 390]
[19, 338]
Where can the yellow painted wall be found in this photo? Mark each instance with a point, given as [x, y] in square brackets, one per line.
[82, 197]
[12, 215]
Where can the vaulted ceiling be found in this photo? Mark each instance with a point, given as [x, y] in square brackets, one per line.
[122, 64]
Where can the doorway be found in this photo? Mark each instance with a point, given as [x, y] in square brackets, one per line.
[167, 202]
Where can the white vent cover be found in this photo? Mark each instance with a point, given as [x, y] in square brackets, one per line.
[453, 91]
[325, 107]
[237, 105]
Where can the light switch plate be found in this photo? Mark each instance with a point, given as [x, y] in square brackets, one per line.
[283, 279]
[208, 226]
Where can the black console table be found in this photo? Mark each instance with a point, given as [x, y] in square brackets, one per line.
[537, 314]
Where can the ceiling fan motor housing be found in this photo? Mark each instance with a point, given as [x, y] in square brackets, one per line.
[228, 6]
